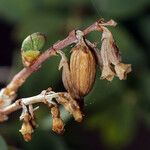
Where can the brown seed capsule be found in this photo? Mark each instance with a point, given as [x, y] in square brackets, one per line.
[82, 69]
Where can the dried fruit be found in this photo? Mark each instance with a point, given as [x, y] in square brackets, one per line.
[82, 68]
[79, 76]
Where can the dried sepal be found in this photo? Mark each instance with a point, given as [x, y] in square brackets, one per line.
[66, 76]
[71, 106]
[110, 55]
[57, 123]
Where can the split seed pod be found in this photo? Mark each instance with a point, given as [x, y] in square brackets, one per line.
[31, 47]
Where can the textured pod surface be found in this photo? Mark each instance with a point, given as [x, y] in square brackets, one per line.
[82, 69]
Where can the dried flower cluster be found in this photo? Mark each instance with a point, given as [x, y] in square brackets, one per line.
[47, 97]
[78, 76]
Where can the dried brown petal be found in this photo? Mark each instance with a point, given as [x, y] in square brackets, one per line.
[107, 73]
[57, 123]
[122, 70]
[26, 130]
[27, 127]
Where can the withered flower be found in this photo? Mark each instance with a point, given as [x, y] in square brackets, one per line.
[57, 123]
[110, 55]
[29, 123]
[27, 129]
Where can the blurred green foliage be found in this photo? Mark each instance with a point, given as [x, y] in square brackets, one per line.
[3, 144]
[114, 109]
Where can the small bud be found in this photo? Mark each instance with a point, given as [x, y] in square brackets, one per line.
[57, 123]
[66, 76]
[31, 47]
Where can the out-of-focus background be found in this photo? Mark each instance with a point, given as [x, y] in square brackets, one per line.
[117, 113]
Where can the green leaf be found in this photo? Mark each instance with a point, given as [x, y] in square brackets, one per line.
[3, 145]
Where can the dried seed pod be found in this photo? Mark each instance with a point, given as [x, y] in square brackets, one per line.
[31, 47]
[82, 69]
